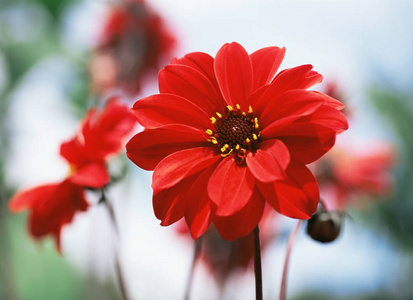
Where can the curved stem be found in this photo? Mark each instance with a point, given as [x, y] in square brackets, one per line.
[118, 268]
[197, 250]
[257, 263]
[291, 239]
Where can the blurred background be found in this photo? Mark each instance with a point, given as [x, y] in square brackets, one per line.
[58, 58]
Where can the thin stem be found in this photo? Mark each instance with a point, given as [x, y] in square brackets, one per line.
[118, 268]
[291, 239]
[197, 251]
[257, 263]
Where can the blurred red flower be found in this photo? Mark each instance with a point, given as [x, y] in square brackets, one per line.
[346, 175]
[53, 205]
[223, 258]
[134, 42]
[224, 137]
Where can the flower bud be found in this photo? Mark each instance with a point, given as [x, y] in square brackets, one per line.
[325, 226]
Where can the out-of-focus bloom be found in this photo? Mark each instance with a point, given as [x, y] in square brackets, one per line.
[224, 137]
[223, 258]
[346, 176]
[53, 205]
[134, 42]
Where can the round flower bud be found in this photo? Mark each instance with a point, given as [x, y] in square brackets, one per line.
[325, 226]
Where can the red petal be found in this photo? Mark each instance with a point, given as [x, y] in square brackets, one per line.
[198, 206]
[203, 63]
[190, 84]
[182, 164]
[265, 63]
[148, 148]
[92, 175]
[297, 196]
[242, 222]
[270, 161]
[169, 204]
[329, 117]
[73, 152]
[230, 187]
[50, 214]
[301, 77]
[26, 198]
[306, 149]
[234, 73]
[290, 105]
[305, 141]
[104, 133]
[165, 109]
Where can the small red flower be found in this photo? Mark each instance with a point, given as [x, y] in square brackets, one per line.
[54, 205]
[225, 136]
[134, 41]
[347, 176]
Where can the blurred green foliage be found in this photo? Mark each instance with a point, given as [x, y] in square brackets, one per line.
[395, 216]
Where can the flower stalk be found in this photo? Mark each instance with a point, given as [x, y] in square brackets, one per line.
[290, 243]
[118, 268]
[197, 251]
[257, 263]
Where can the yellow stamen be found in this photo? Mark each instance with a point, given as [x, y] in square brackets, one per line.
[248, 140]
[226, 154]
[219, 115]
[238, 107]
[254, 136]
[237, 147]
[250, 110]
[214, 141]
[213, 120]
[209, 131]
[72, 169]
[243, 113]
[230, 108]
[257, 126]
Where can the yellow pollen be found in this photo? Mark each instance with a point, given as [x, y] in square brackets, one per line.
[230, 108]
[238, 107]
[237, 147]
[226, 154]
[209, 131]
[248, 140]
[213, 120]
[223, 149]
[219, 115]
[254, 136]
[214, 141]
[250, 110]
[257, 126]
[243, 113]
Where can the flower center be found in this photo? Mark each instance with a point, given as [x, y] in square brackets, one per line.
[235, 132]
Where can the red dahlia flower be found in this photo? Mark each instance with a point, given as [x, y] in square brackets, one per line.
[54, 205]
[225, 136]
[134, 41]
